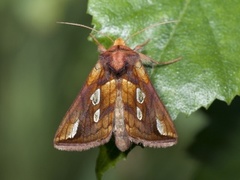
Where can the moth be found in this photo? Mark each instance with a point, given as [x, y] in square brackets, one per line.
[117, 101]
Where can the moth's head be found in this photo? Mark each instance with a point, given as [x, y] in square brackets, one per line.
[119, 41]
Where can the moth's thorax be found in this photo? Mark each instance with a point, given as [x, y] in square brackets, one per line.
[118, 57]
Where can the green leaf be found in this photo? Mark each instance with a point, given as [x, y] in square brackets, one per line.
[206, 36]
[108, 156]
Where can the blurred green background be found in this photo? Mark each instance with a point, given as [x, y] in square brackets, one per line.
[43, 65]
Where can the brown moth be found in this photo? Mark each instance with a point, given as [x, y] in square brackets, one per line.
[117, 99]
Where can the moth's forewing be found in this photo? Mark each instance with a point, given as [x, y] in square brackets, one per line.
[147, 120]
[88, 122]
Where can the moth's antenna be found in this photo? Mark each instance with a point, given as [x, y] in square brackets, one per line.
[87, 27]
[151, 26]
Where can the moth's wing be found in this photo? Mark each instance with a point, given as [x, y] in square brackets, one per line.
[147, 120]
[85, 125]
